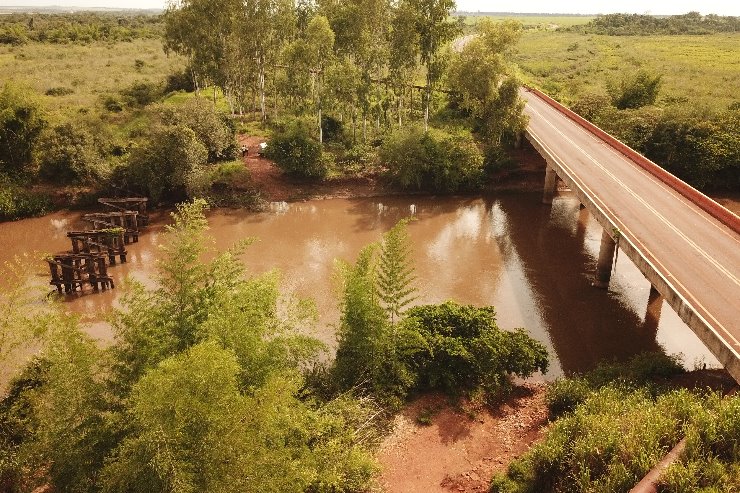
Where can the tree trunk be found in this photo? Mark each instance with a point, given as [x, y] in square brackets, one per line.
[400, 109]
[263, 108]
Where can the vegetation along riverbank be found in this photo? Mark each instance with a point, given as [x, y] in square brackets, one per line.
[211, 383]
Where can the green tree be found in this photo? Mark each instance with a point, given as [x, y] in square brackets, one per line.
[213, 129]
[160, 166]
[395, 277]
[21, 123]
[432, 22]
[481, 73]
[403, 59]
[297, 152]
[466, 351]
[70, 153]
[201, 30]
[433, 160]
[363, 323]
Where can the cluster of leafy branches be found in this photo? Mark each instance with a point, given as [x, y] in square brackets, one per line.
[702, 149]
[180, 144]
[391, 353]
[641, 24]
[80, 27]
[613, 425]
[202, 390]
[361, 60]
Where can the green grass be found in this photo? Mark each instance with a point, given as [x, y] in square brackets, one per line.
[703, 71]
[533, 21]
[91, 71]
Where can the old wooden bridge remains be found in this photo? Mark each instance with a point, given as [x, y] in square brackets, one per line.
[94, 250]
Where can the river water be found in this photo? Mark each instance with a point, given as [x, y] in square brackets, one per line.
[532, 262]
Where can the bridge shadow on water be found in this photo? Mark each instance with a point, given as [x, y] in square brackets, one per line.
[585, 325]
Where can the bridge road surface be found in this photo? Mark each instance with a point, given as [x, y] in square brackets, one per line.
[695, 252]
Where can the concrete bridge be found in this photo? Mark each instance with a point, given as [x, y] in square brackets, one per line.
[684, 243]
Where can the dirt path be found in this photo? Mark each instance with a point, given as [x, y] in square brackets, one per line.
[457, 452]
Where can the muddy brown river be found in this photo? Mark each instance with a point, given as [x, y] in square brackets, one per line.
[532, 262]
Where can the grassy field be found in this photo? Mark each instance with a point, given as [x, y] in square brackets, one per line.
[90, 71]
[703, 71]
[534, 21]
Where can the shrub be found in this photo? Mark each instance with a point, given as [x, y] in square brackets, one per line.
[141, 93]
[331, 128]
[608, 443]
[296, 152]
[213, 129]
[161, 165]
[59, 91]
[179, 81]
[16, 203]
[112, 104]
[433, 161]
[565, 394]
[467, 351]
[21, 123]
[635, 91]
[69, 153]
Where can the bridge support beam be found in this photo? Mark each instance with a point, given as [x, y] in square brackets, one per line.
[652, 312]
[551, 185]
[604, 263]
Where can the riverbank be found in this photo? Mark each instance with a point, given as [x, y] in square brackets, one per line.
[275, 186]
[439, 447]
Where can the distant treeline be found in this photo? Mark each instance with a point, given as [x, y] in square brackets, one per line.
[638, 24]
[82, 27]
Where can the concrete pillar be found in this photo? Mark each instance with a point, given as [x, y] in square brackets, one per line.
[604, 264]
[652, 312]
[518, 140]
[551, 184]
[581, 224]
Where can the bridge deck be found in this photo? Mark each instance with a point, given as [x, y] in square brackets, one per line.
[696, 253]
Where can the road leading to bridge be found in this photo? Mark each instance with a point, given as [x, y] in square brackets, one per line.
[690, 256]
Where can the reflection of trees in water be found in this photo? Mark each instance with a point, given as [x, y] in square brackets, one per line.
[586, 325]
[384, 212]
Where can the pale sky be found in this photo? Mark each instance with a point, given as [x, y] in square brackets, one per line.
[721, 7]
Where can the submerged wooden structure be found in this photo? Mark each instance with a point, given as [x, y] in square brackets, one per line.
[137, 204]
[127, 220]
[108, 242]
[85, 266]
[76, 271]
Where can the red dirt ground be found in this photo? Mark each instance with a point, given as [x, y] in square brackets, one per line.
[457, 451]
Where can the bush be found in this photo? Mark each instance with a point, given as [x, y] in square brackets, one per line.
[607, 444]
[434, 161]
[16, 203]
[635, 91]
[213, 129]
[331, 128]
[466, 351]
[59, 91]
[565, 394]
[112, 104]
[297, 153]
[141, 93]
[69, 153]
[161, 166]
[21, 123]
[179, 81]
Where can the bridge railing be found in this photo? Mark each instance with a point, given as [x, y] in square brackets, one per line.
[722, 214]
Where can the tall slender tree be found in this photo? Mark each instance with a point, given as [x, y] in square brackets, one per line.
[431, 21]
[395, 278]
